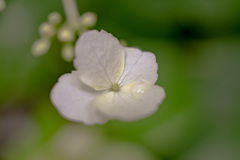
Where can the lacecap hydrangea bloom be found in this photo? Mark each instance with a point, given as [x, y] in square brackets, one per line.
[110, 82]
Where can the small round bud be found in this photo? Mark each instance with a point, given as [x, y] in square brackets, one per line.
[2, 5]
[123, 42]
[68, 52]
[54, 18]
[66, 34]
[46, 30]
[40, 47]
[88, 19]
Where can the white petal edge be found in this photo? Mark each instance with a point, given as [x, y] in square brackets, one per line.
[99, 58]
[139, 66]
[73, 100]
[134, 101]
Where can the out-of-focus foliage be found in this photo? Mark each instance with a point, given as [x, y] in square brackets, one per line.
[197, 45]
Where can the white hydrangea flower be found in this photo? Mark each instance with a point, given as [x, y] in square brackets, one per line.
[110, 82]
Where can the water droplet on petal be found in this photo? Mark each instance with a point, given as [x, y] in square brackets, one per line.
[139, 89]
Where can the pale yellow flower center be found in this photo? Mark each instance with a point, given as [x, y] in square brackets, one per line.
[115, 87]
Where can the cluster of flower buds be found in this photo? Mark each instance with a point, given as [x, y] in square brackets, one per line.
[2, 5]
[65, 32]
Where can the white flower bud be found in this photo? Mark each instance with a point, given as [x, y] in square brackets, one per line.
[2, 5]
[68, 52]
[46, 30]
[66, 34]
[40, 47]
[54, 18]
[88, 19]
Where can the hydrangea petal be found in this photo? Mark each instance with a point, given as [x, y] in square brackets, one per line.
[134, 101]
[73, 100]
[99, 58]
[139, 66]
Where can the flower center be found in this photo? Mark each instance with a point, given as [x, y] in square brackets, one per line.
[115, 87]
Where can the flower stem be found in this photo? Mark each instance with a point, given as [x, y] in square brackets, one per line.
[71, 11]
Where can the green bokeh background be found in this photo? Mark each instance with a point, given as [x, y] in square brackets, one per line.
[197, 45]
